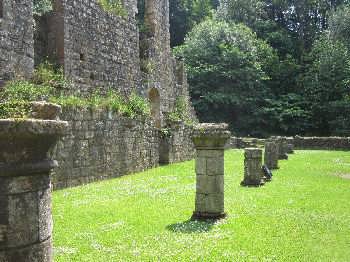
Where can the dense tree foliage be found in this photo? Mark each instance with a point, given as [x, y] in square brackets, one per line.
[226, 65]
[287, 74]
[327, 87]
[185, 14]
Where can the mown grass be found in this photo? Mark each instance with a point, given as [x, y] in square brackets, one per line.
[303, 215]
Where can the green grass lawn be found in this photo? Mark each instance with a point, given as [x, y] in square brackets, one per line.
[302, 215]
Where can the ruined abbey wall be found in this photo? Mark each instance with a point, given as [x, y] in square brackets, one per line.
[99, 51]
[176, 145]
[101, 144]
[102, 51]
[16, 39]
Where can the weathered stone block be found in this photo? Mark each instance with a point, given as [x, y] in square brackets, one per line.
[45, 217]
[282, 147]
[271, 155]
[210, 184]
[215, 166]
[25, 212]
[201, 166]
[25, 184]
[210, 204]
[253, 175]
[22, 232]
[290, 149]
[41, 252]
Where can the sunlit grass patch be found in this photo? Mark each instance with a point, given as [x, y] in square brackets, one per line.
[303, 215]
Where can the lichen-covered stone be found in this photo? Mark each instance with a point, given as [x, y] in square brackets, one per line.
[210, 136]
[25, 195]
[253, 175]
[210, 140]
[44, 110]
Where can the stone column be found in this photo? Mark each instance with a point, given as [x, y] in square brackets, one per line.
[25, 193]
[271, 155]
[253, 174]
[282, 147]
[210, 140]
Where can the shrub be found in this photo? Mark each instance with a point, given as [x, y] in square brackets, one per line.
[25, 91]
[225, 64]
[51, 75]
[45, 86]
[14, 109]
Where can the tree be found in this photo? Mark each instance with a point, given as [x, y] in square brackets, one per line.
[327, 87]
[185, 14]
[226, 65]
[303, 21]
[339, 25]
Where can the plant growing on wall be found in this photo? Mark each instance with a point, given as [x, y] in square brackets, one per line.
[180, 112]
[41, 7]
[114, 7]
[47, 84]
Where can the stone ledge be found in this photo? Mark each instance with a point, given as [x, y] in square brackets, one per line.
[210, 136]
[19, 127]
[27, 169]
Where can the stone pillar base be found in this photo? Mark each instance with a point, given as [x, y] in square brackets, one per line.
[208, 216]
[253, 184]
[32, 253]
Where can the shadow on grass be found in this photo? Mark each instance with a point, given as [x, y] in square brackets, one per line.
[191, 226]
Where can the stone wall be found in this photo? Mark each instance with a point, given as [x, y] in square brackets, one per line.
[176, 145]
[244, 142]
[321, 143]
[100, 51]
[307, 143]
[97, 49]
[101, 144]
[159, 69]
[16, 39]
